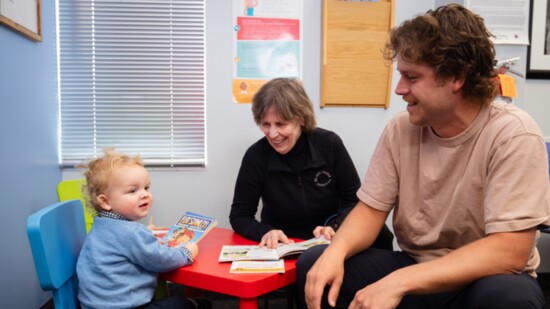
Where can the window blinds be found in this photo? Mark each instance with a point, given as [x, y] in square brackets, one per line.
[132, 76]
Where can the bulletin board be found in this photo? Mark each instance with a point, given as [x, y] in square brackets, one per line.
[23, 16]
[354, 72]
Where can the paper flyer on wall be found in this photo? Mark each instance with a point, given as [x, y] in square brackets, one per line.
[267, 43]
[507, 20]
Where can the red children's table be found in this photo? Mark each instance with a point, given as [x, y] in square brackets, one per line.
[208, 274]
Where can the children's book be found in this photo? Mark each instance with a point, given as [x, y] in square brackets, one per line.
[257, 267]
[257, 253]
[191, 227]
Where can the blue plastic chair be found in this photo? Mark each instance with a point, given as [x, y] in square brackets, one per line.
[56, 234]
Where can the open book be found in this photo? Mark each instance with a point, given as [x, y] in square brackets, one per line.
[256, 253]
[191, 227]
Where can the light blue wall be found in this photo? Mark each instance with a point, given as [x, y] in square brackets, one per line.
[29, 171]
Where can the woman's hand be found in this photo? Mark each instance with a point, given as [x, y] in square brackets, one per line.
[272, 238]
[326, 231]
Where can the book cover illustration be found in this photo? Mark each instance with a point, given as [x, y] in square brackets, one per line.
[191, 227]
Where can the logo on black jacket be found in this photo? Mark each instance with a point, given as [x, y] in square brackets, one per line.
[322, 178]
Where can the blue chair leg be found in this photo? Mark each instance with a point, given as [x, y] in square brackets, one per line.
[63, 295]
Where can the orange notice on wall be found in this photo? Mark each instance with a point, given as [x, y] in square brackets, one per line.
[507, 86]
[244, 89]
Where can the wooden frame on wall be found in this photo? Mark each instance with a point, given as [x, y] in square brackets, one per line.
[354, 71]
[538, 53]
[24, 16]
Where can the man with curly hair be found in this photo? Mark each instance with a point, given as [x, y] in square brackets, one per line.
[466, 178]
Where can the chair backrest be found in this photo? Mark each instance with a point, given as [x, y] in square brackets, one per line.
[72, 189]
[56, 234]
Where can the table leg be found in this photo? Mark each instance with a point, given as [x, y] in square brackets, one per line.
[193, 292]
[248, 303]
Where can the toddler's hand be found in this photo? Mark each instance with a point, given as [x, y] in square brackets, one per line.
[194, 248]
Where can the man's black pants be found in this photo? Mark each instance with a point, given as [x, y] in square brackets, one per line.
[493, 292]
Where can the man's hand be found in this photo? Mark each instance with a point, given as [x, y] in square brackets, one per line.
[272, 238]
[380, 295]
[329, 269]
[326, 231]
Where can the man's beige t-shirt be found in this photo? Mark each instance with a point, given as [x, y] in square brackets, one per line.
[448, 192]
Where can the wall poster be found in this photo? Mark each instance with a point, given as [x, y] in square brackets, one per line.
[507, 20]
[267, 43]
